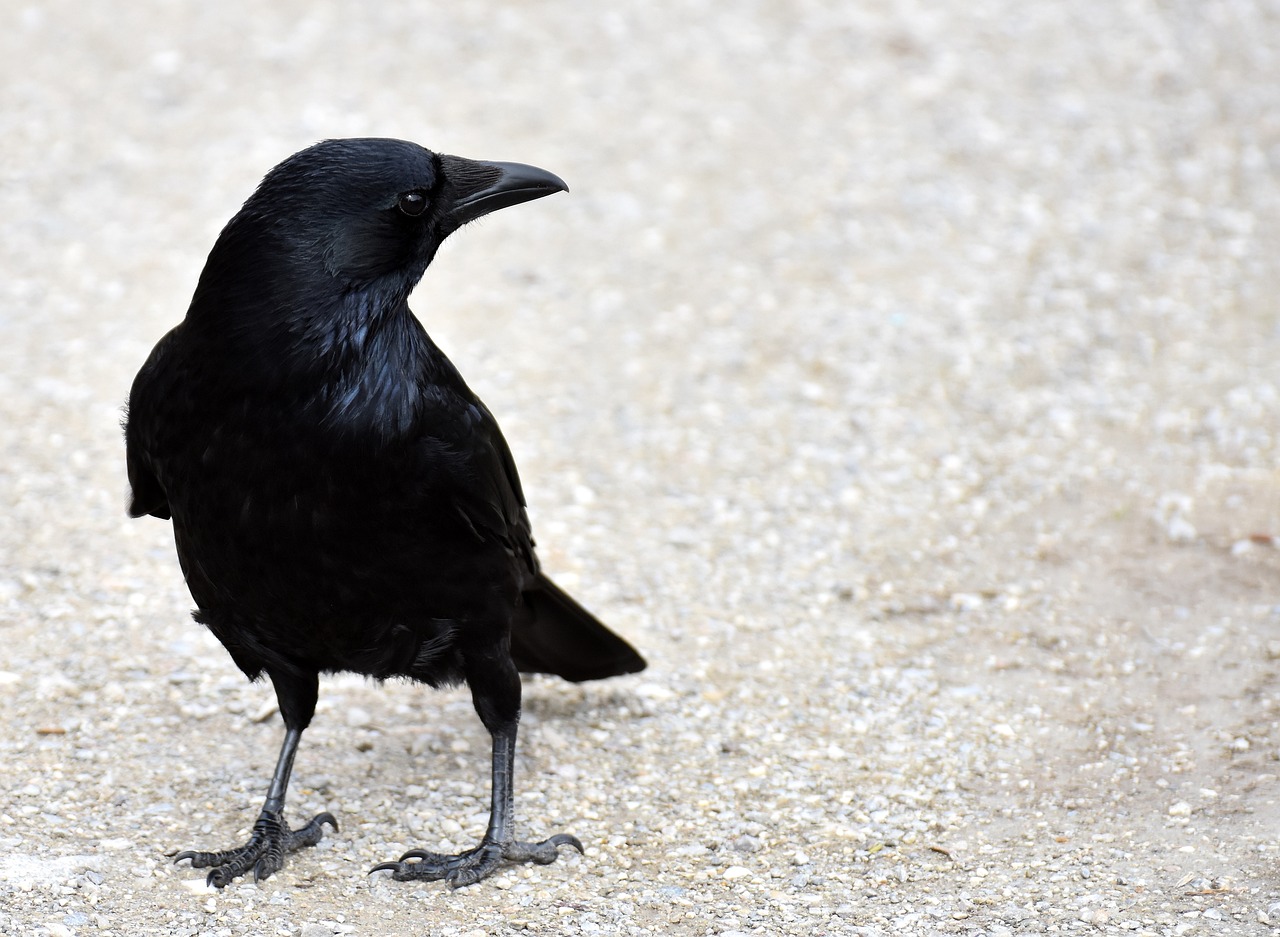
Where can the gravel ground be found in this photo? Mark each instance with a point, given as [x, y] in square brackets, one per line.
[901, 377]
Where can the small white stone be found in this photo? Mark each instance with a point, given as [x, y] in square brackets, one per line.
[1180, 530]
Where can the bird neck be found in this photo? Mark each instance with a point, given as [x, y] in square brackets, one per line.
[376, 365]
[353, 360]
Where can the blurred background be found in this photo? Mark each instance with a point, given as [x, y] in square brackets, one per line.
[900, 377]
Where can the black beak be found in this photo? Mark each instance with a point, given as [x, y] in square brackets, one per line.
[481, 187]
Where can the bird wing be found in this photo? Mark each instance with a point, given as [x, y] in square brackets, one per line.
[147, 495]
[485, 489]
[551, 632]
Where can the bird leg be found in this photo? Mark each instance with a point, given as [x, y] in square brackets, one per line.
[271, 837]
[499, 843]
[495, 689]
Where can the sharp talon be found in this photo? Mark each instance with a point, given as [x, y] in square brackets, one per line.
[264, 853]
[473, 865]
[567, 839]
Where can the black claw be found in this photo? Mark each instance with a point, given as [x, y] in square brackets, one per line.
[263, 854]
[467, 868]
[567, 839]
[543, 853]
[421, 854]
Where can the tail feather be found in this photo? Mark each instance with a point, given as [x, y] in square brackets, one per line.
[556, 635]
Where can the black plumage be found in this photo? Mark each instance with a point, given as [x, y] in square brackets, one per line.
[341, 500]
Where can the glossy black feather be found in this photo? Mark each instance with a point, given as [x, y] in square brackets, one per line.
[341, 500]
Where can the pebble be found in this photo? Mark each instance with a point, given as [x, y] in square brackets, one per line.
[357, 717]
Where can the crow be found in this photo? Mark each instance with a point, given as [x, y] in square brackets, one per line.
[340, 499]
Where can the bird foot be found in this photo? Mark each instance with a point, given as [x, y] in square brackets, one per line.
[263, 853]
[467, 868]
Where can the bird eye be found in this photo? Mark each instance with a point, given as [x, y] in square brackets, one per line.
[412, 204]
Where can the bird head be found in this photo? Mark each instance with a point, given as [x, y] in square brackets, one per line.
[366, 213]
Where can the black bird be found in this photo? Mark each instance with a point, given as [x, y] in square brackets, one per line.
[341, 500]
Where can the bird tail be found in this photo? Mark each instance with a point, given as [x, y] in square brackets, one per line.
[556, 635]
